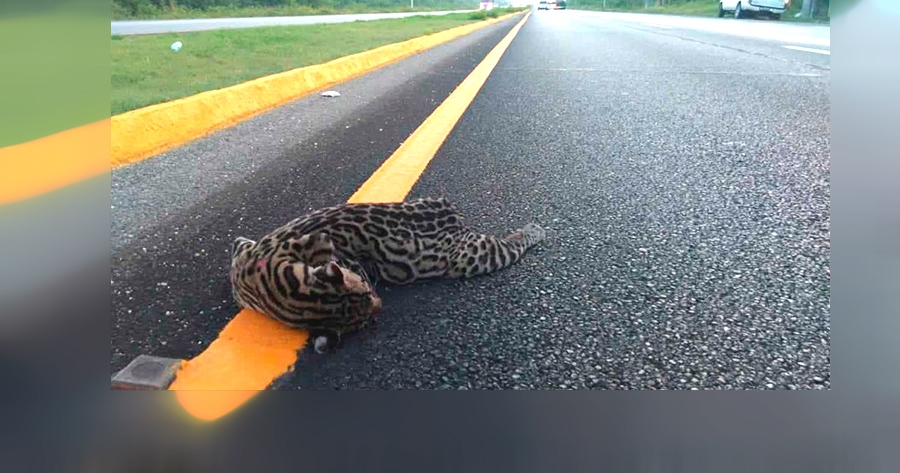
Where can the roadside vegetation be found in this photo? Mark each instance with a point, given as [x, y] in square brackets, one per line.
[177, 9]
[706, 8]
[145, 71]
[484, 14]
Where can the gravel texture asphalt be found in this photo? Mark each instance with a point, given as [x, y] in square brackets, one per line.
[683, 178]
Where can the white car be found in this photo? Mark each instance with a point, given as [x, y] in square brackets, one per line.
[744, 8]
[543, 6]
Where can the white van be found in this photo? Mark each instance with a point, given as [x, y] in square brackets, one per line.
[744, 8]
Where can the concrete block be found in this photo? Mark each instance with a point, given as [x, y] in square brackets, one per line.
[147, 373]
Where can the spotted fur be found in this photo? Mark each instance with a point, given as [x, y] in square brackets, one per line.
[314, 272]
[298, 282]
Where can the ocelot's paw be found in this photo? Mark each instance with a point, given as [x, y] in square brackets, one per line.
[534, 234]
[325, 343]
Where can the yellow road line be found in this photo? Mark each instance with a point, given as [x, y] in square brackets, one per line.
[250, 352]
[52, 162]
[399, 173]
[253, 349]
[142, 133]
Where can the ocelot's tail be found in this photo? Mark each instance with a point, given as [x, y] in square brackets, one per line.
[477, 254]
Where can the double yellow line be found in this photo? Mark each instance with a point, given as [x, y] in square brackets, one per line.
[254, 350]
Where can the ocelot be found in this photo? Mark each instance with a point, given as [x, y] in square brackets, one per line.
[316, 272]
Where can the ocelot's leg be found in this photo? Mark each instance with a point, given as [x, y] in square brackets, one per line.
[365, 269]
[327, 339]
[477, 254]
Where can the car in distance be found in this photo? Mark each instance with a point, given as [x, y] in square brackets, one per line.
[543, 5]
[745, 8]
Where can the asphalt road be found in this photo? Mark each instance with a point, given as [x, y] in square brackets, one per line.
[803, 33]
[682, 175]
[132, 27]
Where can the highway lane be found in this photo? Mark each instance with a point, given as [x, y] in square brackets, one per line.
[810, 34]
[132, 27]
[683, 179]
[173, 215]
[780, 41]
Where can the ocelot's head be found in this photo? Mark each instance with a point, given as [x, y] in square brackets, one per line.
[279, 282]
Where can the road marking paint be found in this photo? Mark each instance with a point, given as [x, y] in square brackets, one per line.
[139, 134]
[55, 161]
[818, 51]
[43, 165]
[250, 352]
[655, 25]
[397, 175]
[253, 350]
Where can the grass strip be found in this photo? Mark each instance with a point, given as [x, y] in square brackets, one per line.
[148, 12]
[145, 71]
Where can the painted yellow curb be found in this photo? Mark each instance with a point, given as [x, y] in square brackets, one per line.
[52, 162]
[141, 133]
[253, 350]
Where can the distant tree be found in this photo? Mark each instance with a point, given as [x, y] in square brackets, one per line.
[131, 6]
[163, 4]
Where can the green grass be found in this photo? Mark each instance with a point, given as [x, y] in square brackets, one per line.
[53, 75]
[701, 8]
[689, 9]
[705, 8]
[795, 8]
[180, 12]
[146, 72]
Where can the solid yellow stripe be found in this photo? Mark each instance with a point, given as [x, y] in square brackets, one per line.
[253, 350]
[250, 352]
[397, 175]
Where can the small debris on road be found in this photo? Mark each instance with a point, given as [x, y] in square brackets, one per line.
[331, 93]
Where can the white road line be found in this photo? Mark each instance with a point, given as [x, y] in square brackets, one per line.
[819, 51]
[657, 26]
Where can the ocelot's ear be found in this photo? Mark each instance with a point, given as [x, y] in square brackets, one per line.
[316, 240]
[240, 244]
[316, 249]
[330, 273]
[322, 239]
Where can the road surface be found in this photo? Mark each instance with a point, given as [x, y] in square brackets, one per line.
[809, 34]
[682, 174]
[132, 27]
